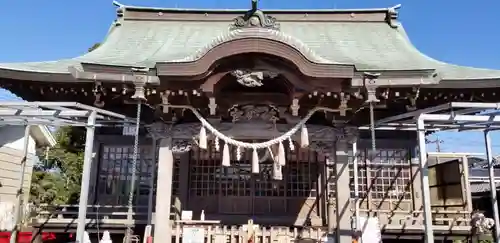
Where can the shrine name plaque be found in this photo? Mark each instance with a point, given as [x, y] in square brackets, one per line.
[193, 234]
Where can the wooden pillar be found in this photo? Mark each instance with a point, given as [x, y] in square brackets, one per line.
[466, 184]
[153, 177]
[322, 192]
[162, 228]
[184, 180]
[343, 209]
[180, 200]
[330, 198]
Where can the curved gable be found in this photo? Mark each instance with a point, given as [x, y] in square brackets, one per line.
[255, 40]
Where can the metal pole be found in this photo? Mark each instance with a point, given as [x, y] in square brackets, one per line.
[152, 182]
[87, 166]
[20, 192]
[493, 188]
[356, 185]
[424, 180]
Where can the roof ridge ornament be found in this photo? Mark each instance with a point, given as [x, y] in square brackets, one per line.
[255, 18]
[119, 12]
[118, 4]
[392, 16]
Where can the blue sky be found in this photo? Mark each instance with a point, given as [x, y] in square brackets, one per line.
[455, 31]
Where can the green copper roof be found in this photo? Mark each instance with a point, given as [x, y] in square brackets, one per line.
[369, 46]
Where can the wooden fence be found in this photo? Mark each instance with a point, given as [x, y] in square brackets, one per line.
[227, 234]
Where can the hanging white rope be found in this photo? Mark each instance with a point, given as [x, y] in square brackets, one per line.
[261, 145]
[280, 160]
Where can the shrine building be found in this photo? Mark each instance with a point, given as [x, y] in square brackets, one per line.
[261, 114]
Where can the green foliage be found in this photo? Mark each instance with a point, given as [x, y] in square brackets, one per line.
[93, 47]
[47, 187]
[56, 180]
[483, 238]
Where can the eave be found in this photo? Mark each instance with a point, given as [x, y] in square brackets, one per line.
[169, 53]
[43, 136]
[42, 76]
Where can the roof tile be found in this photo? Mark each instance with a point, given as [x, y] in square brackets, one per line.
[370, 46]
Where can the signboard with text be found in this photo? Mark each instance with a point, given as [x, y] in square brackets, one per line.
[193, 234]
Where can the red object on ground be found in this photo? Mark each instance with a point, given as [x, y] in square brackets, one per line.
[25, 237]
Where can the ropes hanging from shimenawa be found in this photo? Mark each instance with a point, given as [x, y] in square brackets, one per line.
[280, 159]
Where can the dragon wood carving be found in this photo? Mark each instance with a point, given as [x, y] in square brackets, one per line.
[252, 78]
[266, 113]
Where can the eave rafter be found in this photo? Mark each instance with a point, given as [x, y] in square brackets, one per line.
[193, 78]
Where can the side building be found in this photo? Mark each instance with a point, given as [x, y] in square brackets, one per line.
[12, 141]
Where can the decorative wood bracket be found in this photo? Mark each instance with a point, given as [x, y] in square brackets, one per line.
[99, 92]
[343, 104]
[164, 101]
[140, 80]
[412, 98]
[370, 82]
[295, 107]
[212, 106]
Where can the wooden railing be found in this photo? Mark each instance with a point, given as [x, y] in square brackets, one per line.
[402, 219]
[104, 214]
[117, 215]
[228, 234]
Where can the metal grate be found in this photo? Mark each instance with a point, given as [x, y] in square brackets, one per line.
[208, 177]
[389, 172]
[115, 173]
[302, 173]
[203, 172]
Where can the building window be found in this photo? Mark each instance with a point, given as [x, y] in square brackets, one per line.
[445, 183]
[208, 177]
[115, 174]
[203, 172]
[302, 173]
[389, 174]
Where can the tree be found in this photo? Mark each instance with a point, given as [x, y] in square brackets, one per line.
[47, 188]
[93, 47]
[57, 178]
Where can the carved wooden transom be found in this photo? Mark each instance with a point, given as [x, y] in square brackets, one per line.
[254, 113]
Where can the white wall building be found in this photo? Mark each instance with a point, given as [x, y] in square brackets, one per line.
[11, 149]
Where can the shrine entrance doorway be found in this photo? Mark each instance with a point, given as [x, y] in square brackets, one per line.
[235, 193]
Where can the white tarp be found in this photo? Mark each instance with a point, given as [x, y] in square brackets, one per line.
[370, 230]
[7, 210]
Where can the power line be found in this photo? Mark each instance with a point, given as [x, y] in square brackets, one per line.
[436, 141]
